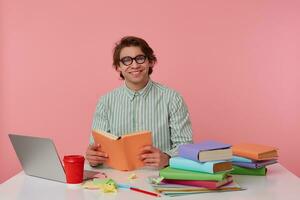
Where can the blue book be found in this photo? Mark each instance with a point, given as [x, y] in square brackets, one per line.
[241, 159]
[206, 151]
[208, 167]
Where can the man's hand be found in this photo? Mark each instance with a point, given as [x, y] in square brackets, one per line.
[153, 157]
[95, 156]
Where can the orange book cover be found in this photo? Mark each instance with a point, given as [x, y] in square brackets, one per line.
[255, 151]
[123, 152]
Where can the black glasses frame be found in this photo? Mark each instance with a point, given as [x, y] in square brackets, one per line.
[122, 60]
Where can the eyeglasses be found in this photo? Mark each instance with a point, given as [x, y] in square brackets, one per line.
[139, 59]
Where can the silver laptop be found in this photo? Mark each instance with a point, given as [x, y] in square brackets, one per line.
[38, 157]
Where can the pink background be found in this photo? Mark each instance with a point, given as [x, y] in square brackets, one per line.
[236, 63]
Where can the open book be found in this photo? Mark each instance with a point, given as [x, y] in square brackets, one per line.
[123, 152]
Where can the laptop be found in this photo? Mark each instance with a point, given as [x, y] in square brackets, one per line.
[39, 158]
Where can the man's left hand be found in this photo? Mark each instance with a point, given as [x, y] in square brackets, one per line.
[154, 157]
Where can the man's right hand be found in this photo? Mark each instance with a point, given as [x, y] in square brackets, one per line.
[95, 156]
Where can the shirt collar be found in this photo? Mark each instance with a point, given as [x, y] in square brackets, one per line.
[143, 92]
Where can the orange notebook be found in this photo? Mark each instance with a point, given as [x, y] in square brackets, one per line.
[255, 151]
[123, 152]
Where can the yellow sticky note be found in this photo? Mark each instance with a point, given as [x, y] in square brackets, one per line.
[157, 180]
[108, 188]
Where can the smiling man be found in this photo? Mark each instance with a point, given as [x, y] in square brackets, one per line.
[141, 104]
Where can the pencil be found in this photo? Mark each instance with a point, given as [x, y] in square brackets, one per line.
[145, 192]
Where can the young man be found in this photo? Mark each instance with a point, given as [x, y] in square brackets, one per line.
[141, 104]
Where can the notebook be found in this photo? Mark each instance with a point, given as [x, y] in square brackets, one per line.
[39, 158]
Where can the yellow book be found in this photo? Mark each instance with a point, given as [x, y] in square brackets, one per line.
[123, 152]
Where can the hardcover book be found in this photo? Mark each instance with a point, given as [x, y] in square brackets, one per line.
[206, 151]
[249, 171]
[199, 183]
[255, 151]
[123, 152]
[256, 164]
[208, 167]
[170, 173]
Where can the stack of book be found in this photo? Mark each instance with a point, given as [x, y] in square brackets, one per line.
[252, 159]
[201, 167]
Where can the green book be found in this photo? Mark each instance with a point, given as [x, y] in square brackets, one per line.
[179, 174]
[249, 171]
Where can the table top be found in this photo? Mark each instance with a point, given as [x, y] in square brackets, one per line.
[278, 184]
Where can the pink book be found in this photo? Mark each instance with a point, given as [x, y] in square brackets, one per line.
[198, 183]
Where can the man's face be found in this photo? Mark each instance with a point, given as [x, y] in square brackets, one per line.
[134, 66]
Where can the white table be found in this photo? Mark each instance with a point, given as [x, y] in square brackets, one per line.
[278, 184]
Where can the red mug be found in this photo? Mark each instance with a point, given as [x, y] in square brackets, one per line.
[74, 166]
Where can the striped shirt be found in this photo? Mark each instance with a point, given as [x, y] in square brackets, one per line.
[155, 108]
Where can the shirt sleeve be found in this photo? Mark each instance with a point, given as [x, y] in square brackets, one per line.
[100, 120]
[180, 125]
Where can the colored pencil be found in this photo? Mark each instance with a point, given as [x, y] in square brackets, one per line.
[145, 192]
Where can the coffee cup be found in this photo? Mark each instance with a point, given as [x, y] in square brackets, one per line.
[74, 166]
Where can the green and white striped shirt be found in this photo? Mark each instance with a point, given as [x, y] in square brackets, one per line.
[155, 108]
